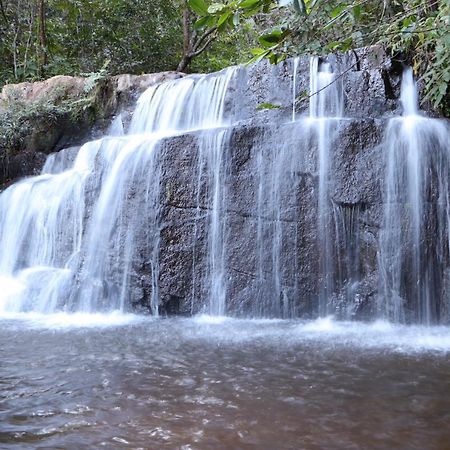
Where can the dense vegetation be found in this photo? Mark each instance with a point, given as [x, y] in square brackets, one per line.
[416, 30]
[40, 38]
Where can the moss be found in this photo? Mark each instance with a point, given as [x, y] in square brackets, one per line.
[38, 125]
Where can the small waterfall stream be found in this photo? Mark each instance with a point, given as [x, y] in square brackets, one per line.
[325, 110]
[414, 240]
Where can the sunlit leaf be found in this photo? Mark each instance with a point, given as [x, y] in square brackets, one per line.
[199, 7]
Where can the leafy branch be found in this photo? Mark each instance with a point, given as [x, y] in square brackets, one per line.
[418, 28]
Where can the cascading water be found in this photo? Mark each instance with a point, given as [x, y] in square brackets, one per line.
[325, 110]
[277, 167]
[212, 165]
[414, 241]
[58, 254]
[72, 237]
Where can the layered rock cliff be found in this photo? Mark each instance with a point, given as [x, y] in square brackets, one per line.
[268, 216]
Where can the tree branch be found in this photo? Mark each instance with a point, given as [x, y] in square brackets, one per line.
[205, 46]
[186, 30]
[202, 38]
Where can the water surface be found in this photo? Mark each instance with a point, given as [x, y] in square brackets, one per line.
[96, 381]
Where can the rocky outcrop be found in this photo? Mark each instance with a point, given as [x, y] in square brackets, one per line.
[40, 118]
[265, 156]
[357, 171]
[272, 245]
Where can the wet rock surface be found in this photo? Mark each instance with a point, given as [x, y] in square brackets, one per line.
[357, 174]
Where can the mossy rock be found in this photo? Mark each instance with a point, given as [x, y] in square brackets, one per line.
[46, 116]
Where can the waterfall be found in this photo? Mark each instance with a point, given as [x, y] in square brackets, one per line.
[253, 207]
[70, 236]
[326, 96]
[414, 241]
[294, 88]
[325, 110]
[278, 232]
[212, 173]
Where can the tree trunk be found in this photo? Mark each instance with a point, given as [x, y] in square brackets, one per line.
[186, 59]
[42, 38]
[193, 44]
[183, 66]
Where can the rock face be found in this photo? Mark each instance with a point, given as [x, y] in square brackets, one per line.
[281, 216]
[251, 216]
[271, 244]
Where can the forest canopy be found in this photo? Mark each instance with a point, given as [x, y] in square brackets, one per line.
[41, 38]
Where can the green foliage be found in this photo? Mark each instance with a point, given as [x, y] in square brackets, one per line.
[136, 36]
[418, 29]
[424, 31]
[231, 48]
[263, 106]
[199, 7]
[18, 118]
[94, 77]
[21, 117]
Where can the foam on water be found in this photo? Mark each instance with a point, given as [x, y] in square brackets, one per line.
[212, 319]
[68, 321]
[377, 336]
[326, 332]
[207, 319]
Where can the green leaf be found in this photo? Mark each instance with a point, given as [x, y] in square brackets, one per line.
[408, 21]
[248, 3]
[203, 22]
[334, 45]
[199, 7]
[271, 39]
[337, 11]
[216, 8]
[257, 51]
[346, 44]
[357, 12]
[263, 106]
[223, 18]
